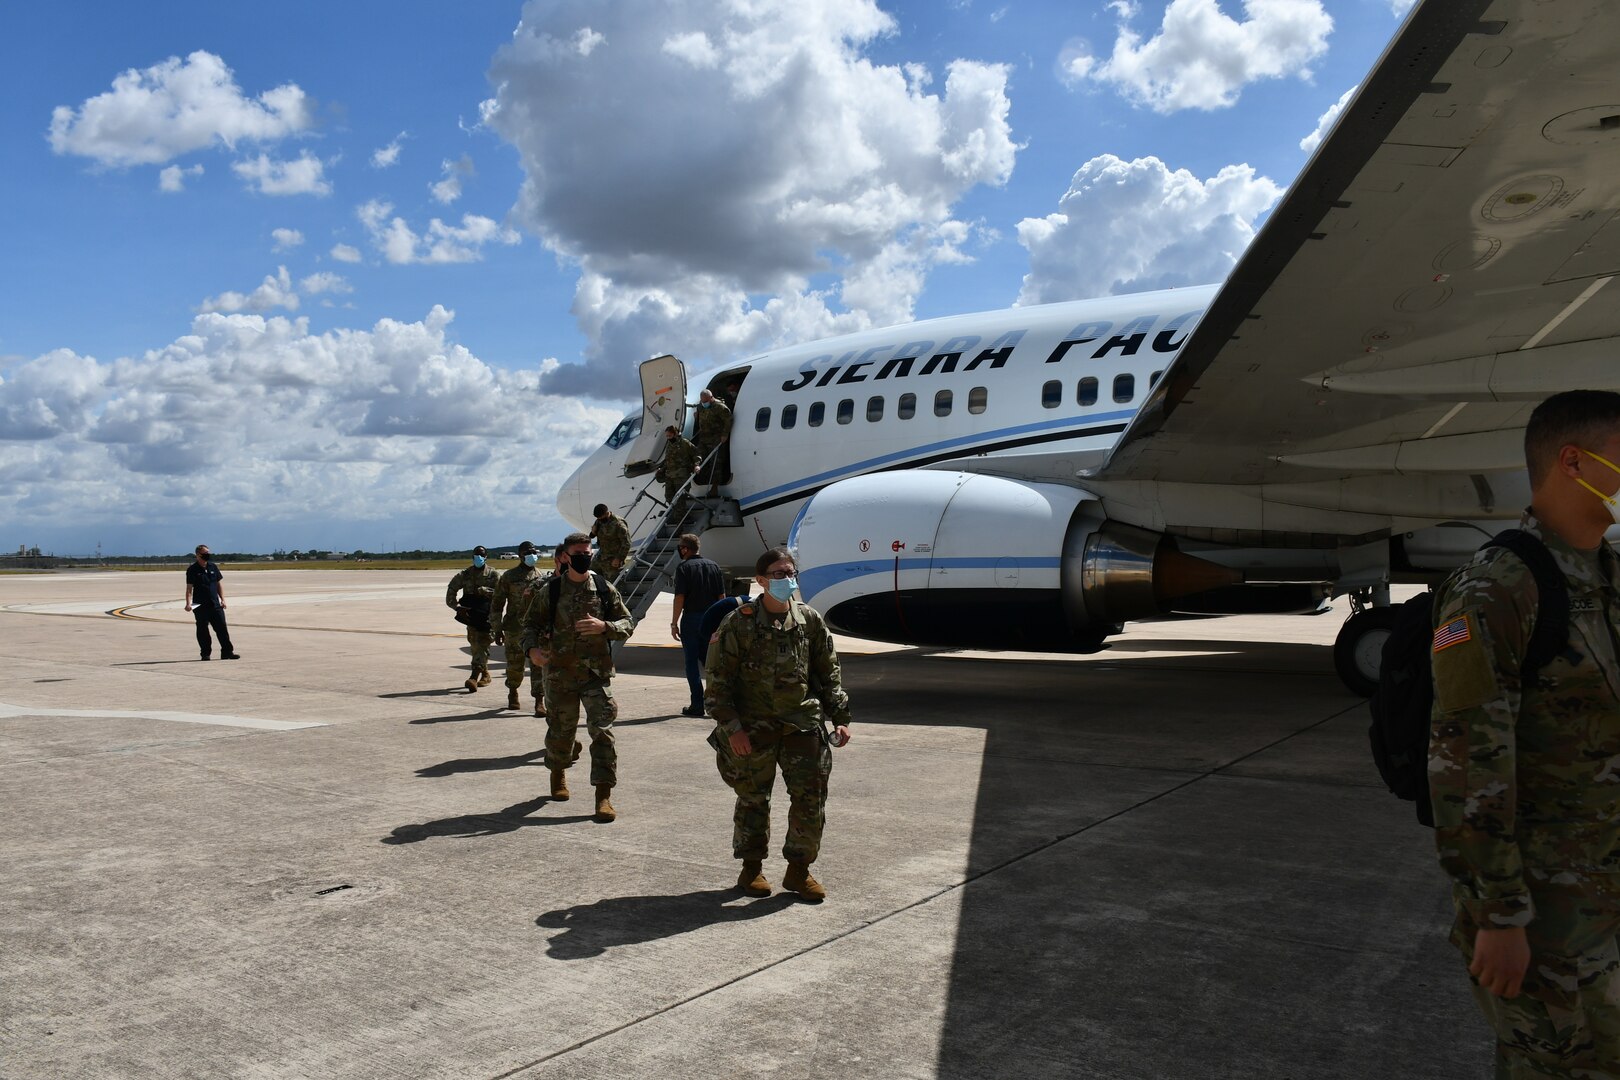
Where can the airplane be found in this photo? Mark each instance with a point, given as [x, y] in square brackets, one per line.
[1344, 412]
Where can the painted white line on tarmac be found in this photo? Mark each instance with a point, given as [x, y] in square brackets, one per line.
[8, 709]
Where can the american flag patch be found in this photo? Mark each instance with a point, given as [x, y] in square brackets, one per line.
[1452, 633]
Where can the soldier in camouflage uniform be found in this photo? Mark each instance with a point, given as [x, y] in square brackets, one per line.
[569, 631]
[612, 538]
[680, 458]
[772, 669]
[712, 430]
[477, 581]
[506, 619]
[1525, 774]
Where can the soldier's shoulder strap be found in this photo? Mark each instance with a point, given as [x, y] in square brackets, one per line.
[1551, 631]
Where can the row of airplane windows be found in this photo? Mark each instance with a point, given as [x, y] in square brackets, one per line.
[978, 398]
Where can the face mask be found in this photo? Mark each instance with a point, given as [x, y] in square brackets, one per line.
[783, 588]
[478, 561]
[705, 404]
[579, 561]
[1610, 502]
[205, 556]
[530, 559]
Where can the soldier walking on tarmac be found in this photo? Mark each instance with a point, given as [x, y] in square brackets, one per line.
[572, 621]
[772, 671]
[506, 619]
[469, 595]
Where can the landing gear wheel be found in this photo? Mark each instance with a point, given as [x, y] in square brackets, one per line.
[1358, 652]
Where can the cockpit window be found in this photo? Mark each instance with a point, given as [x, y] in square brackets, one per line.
[628, 429]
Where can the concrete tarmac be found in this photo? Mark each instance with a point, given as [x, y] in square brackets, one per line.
[327, 859]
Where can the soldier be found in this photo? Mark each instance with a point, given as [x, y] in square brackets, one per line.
[506, 619]
[1522, 770]
[571, 623]
[713, 431]
[772, 670]
[476, 588]
[680, 458]
[612, 538]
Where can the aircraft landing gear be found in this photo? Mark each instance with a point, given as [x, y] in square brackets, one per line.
[1358, 651]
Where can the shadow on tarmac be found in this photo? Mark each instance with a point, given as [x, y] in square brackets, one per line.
[592, 929]
[456, 718]
[469, 765]
[468, 826]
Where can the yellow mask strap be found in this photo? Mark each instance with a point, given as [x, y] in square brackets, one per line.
[1599, 457]
[1606, 498]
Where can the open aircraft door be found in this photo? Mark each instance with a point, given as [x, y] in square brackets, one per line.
[663, 402]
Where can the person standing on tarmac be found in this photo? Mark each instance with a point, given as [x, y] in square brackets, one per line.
[471, 591]
[571, 624]
[699, 582]
[1522, 770]
[506, 620]
[612, 538]
[205, 599]
[772, 670]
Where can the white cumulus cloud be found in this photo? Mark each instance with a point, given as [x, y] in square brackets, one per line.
[303, 176]
[713, 161]
[172, 179]
[1325, 121]
[448, 189]
[385, 157]
[324, 282]
[439, 243]
[275, 291]
[345, 253]
[1132, 226]
[156, 114]
[286, 239]
[1202, 58]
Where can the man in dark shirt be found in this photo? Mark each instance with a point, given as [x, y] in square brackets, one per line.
[205, 599]
[699, 582]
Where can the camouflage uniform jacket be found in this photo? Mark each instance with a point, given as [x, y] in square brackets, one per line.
[553, 631]
[759, 672]
[1525, 776]
[713, 424]
[478, 580]
[612, 537]
[680, 460]
[511, 596]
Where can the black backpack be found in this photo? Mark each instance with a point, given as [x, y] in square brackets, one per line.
[1405, 695]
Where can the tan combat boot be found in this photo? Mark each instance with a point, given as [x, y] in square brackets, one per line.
[752, 879]
[512, 698]
[539, 707]
[798, 880]
[559, 784]
[472, 683]
[483, 677]
[604, 808]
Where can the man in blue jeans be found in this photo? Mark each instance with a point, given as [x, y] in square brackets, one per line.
[205, 599]
[699, 582]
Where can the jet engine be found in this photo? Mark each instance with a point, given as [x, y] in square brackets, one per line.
[965, 560]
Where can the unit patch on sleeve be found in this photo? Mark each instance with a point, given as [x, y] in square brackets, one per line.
[1452, 633]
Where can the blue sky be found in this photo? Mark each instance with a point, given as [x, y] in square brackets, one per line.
[376, 275]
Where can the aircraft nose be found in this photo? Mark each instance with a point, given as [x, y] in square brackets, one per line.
[570, 499]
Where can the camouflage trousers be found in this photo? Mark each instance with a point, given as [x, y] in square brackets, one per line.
[1566, 1020]
[806, 763]
[480, 642]
[672, 487]
[565, 693]
[516, 661]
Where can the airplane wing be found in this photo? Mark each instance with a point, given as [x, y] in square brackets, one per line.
[1441, 265]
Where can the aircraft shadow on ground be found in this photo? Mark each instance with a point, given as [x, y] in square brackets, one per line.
[470, 826]
[591, 929]
[470, 765]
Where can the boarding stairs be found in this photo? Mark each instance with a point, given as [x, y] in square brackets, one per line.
[651, 566]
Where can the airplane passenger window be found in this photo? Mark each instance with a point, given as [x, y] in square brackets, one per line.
[906, 407]
[846, 410]
[1153, 379]
[818, 413]
[1124, 387]
[1051, 394]
[762, 419]
[1088, 391]
[942, 403]
[874, 409]
[978, 397]
[790, 416]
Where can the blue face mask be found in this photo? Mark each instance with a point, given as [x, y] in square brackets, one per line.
[478, 561]
[530, 559]
[705, 404]
[783, 588]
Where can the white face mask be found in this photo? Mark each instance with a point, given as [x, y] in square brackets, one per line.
[1610, 502]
